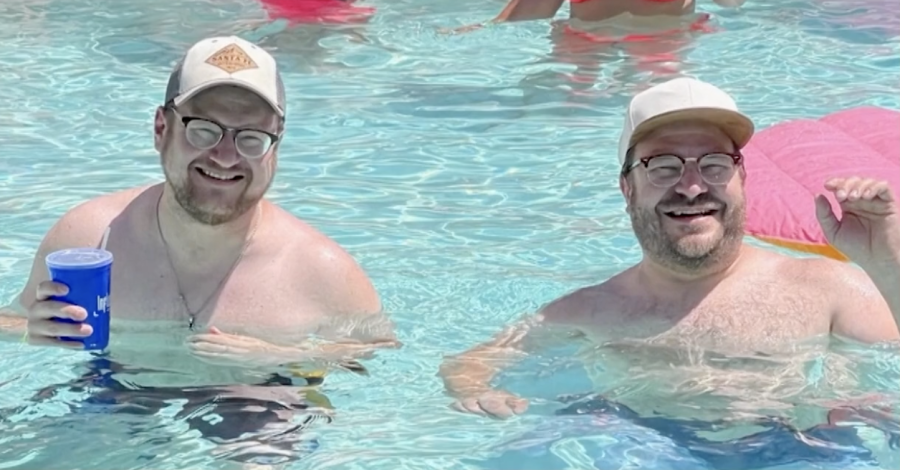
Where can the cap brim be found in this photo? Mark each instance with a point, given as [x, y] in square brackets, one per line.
[180, 99]
[734, 124]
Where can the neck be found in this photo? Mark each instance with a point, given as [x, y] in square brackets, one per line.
[199, 241]
[666, 277]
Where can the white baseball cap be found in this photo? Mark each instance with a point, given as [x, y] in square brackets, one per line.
[227, 61]
[682, 99]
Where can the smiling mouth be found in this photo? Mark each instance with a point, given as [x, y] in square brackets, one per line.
[215, 176]
[689, 214]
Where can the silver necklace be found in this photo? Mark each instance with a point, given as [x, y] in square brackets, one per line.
[191, 315]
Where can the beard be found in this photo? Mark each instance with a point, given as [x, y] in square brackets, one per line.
[209, 210]
[692, 251]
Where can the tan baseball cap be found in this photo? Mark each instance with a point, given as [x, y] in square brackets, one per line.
[227, 61]
[682, 99]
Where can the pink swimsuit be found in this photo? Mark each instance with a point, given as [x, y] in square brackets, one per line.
[317, 11]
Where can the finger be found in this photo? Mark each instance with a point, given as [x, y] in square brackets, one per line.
[201, 338]
[72, 312]
[883, 191]
[841, 187]
[215, 331]
[217, 359]
[868, 190]
[858, 188]
[43, 341]
[206, 347]
[827, 219]
[222, 340]
[47, 309]
[53, 328]
[517, 405]
[215, 348]
[834, 183]
[47, 289]
[497, 408]
[470, 405]
[211, 354]
[211, 338]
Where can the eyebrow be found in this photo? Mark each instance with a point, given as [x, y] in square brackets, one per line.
[243, 123]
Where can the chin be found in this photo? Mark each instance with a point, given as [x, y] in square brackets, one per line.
[698, 245]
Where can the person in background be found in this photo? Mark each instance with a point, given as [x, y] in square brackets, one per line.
[242, 295]
[653, 33]
[698, 285]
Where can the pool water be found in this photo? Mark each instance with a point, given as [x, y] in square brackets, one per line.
[474, 178]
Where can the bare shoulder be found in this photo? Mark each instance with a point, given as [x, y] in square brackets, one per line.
[858, 309]
[81, 226]
[582, 307]
[328, 270]
[84, 224]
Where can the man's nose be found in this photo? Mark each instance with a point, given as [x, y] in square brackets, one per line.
[691, 183]
[225, 154]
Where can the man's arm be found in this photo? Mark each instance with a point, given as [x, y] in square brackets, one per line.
[885, 275]
[864, 303]
[471, 372]
[886, 278]
[82, 226]
[355, 325]
[13, 321]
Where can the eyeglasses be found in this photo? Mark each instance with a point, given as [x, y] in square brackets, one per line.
[205, 134]
[666, 170]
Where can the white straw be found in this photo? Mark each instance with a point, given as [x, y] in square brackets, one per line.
[105, 239]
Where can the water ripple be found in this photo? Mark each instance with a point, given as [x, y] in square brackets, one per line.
[470, 175]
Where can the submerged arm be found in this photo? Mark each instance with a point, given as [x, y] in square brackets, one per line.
[470, 373]
[13, 322]
[344, 341]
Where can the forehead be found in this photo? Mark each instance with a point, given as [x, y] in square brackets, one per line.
[231, 105]
[688, 135]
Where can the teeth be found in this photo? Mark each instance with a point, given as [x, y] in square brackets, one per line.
[215, 175]
[692, 212]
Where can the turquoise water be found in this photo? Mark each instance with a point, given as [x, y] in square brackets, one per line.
[469, 175]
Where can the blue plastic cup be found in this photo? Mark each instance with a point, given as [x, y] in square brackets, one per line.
[87, 273]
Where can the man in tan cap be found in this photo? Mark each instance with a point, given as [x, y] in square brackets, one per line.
[698, 286]
[211, 282]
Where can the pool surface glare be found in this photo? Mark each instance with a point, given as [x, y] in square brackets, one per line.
[474, 177]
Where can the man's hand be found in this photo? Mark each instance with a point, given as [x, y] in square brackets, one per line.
[43, 330]
[494, 403]
[869, 229]
[226, 349]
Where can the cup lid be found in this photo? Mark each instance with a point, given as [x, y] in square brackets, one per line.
[83, 258]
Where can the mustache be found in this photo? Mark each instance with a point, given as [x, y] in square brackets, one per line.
[679, 201]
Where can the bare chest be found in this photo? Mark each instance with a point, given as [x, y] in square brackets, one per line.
[755, 315]
[765, 314]
[253, 299]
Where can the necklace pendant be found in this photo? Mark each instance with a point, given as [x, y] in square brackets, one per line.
[191, 323]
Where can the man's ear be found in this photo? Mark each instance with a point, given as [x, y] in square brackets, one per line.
[159, 128]
[625, 187]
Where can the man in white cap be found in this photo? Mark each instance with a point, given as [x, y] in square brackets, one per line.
[698, 285]
[203, 260]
